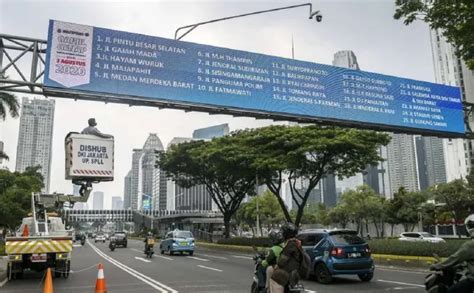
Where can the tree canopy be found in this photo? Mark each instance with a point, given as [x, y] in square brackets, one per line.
[221, 165]
[15, 194]
[455, 19]
[303, 155]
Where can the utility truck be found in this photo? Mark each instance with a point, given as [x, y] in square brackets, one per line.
[42, 239]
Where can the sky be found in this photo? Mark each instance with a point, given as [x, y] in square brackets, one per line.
[367, 27]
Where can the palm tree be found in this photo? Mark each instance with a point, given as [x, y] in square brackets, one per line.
[8, 103]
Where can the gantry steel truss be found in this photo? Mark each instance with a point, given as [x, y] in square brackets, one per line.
[23, 63]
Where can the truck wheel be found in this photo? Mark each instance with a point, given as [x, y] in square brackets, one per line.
[9, 272]
[191, 253]
[67, 270]
[57, 274]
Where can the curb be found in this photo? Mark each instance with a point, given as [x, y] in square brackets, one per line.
[3, 272]
[383, 259]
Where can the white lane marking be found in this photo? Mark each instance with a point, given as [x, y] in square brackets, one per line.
[142, 259]
[209, 268]
[168, 258]
[134, 249]
[153, 283]
[3, 282]
[401, 283]
[213, 256]
[197, 258]
[241, 256]
[77, 245]
[402, 271]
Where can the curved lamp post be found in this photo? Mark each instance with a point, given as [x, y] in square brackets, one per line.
[191, 27]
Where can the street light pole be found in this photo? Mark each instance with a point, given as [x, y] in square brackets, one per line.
[259, 231]
[191, 27]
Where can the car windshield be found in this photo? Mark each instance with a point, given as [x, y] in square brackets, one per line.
[183, 234]
[346, 239]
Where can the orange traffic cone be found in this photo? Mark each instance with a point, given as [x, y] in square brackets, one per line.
[100, 286]
[48, 282]
[26, 231]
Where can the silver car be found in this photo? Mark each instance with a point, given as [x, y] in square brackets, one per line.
[420, 237]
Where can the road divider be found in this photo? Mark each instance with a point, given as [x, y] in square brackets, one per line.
[147, 280]
[209, 268]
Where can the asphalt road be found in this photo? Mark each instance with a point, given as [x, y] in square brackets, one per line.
[127, 270]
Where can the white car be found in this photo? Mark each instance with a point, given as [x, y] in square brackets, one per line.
[420, 237]
[100, 237]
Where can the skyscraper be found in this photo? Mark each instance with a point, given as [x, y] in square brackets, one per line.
[35, 137]
[451, 70]
[431, 164]
[211, 132]
[127, 192]
[402, 163]
[98, 200]
[346, 59]
[117, 203]
[144, 177]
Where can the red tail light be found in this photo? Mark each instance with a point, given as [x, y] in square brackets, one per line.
[337, 252]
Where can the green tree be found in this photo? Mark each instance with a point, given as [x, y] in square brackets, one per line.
[308, 153]
[8, 104]
[454, 18]
[456, 196]
[269, 211]
[340, 215]
[221, 165]
[15, 194]
[358, 203]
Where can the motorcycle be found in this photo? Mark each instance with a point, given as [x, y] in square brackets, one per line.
[149, 247]
[259, 277]
[440, 281]
[83, 240]
[112, 244]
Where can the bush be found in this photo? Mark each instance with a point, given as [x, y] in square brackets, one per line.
[242, 241]
[397, 247]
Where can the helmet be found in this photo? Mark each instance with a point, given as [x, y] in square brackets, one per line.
[288, 230]
[469, 223]
[276, 237]
[149, 234]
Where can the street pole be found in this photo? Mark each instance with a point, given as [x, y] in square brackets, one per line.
[191, 27]
[259, 232]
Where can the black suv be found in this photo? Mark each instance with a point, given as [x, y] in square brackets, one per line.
[120, 238]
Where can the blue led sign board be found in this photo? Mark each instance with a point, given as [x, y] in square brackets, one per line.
[101, 61]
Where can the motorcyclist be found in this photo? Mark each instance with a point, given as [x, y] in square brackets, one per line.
[148, 237]
[464, 254]
[271, 258]
[292, 261]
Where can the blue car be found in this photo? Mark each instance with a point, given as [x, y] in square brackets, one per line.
[337, 252]
[178, 241]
